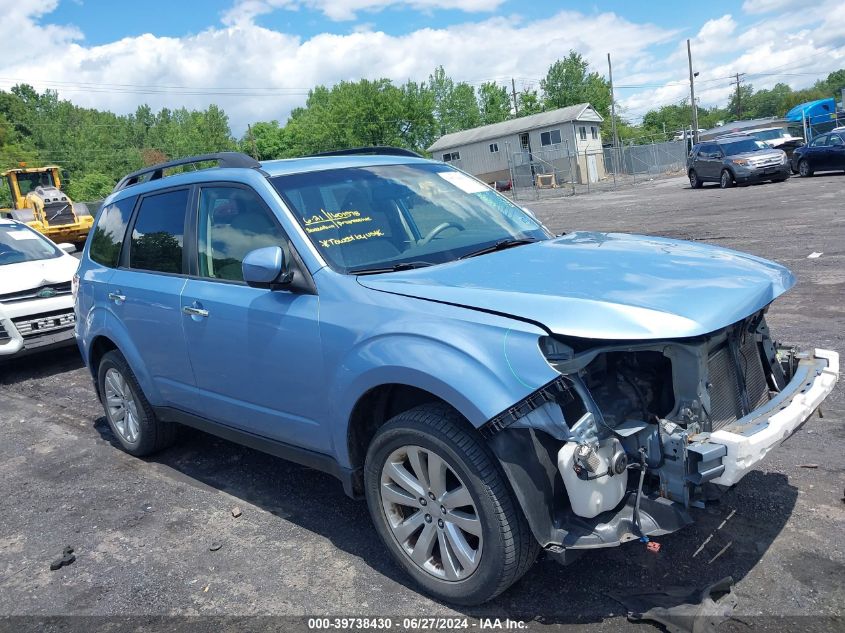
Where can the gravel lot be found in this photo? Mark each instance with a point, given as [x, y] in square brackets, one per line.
[142, 529]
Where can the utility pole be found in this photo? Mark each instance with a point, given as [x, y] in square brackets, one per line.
[612, 102]
[692, 96]
[513, 92]
[252, 142]
[738, 96]
[613, 119]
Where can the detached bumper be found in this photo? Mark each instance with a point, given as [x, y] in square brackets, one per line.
[750, 439]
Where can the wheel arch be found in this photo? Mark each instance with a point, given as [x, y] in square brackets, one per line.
[100, 346]
[400, 371]
[112, 335]
[377, 406]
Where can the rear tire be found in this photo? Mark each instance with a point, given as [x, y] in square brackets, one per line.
[129, 414]
[804, 169]
[726, 180]
[504, 549]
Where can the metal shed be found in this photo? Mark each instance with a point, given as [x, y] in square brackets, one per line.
[552, 142]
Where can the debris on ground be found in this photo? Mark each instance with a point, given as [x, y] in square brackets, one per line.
[653, 546]
[236, 512]
[814, 255]
[67, 558]
[808, 466]
[682, 609]
[215, 546]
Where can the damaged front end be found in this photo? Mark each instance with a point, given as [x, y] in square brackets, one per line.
[633, 434]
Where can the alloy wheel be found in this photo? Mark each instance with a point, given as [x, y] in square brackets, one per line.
[121, 407]
[725, 180]
[803, 169]
[693, 180]
[431, 513]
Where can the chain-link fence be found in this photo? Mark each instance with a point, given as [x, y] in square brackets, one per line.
[562, 171]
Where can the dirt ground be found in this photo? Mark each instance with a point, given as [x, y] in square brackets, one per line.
[143, 530]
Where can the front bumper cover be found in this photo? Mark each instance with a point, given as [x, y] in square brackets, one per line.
[762, 174]
[13, 343]
[527, 453]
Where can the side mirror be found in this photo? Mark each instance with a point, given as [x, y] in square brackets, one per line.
[67, 247]
[266, 268]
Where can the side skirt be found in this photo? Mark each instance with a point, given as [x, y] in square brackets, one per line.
[350, 478]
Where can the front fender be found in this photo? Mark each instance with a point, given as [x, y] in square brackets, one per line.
[479, 375]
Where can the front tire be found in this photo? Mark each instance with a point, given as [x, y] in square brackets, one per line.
[128, 412]
[442, 507]
[694, 181]
[726, 180]
[804, 169]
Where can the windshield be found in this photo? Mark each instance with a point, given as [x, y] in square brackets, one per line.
[387, 215]
[745, 145]
[768, 135]
[19, 243]
[29, 181]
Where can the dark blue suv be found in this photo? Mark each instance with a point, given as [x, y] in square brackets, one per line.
[487, 386]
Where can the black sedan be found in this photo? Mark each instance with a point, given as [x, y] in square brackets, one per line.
[824, 153]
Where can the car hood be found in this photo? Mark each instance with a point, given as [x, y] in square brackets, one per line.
[759, 154]
[603, 285]
[27, 275]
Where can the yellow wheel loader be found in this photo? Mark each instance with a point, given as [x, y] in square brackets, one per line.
[38, 200]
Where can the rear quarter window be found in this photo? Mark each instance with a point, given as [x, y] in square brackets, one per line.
[110, 231]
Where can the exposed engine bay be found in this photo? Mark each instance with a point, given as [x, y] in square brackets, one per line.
[636, 429]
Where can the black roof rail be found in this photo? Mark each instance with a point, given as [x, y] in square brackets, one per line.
[156, 172]
[384, 150]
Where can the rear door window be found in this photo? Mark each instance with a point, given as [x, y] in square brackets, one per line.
[109, 232]
[159, 231]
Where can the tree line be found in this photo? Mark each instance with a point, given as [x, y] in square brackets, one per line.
[98, 147]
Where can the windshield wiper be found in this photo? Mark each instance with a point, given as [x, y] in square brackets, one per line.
[389, 269]
[499, 246]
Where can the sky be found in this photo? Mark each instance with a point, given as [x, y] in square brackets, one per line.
[258, 58]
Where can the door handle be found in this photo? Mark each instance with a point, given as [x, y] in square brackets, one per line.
[194, 312]
[116, 297]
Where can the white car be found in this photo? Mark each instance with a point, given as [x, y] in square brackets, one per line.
[36, 300]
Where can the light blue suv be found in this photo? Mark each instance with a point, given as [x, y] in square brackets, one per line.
[489, 388]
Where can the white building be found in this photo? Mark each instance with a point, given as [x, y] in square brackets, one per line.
[566, 141]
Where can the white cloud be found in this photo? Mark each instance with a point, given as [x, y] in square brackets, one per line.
[766, 6]
[797, 46]
[245, 61]
[256, 73]
[714, 36]
[245, 11]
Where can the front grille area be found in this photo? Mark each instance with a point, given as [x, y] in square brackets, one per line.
[41, 292]
[735, 378]
[43, 323]
[59, 213]
[4, 335]
[768, 161]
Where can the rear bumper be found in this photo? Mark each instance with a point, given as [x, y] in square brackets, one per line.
[750, 439]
